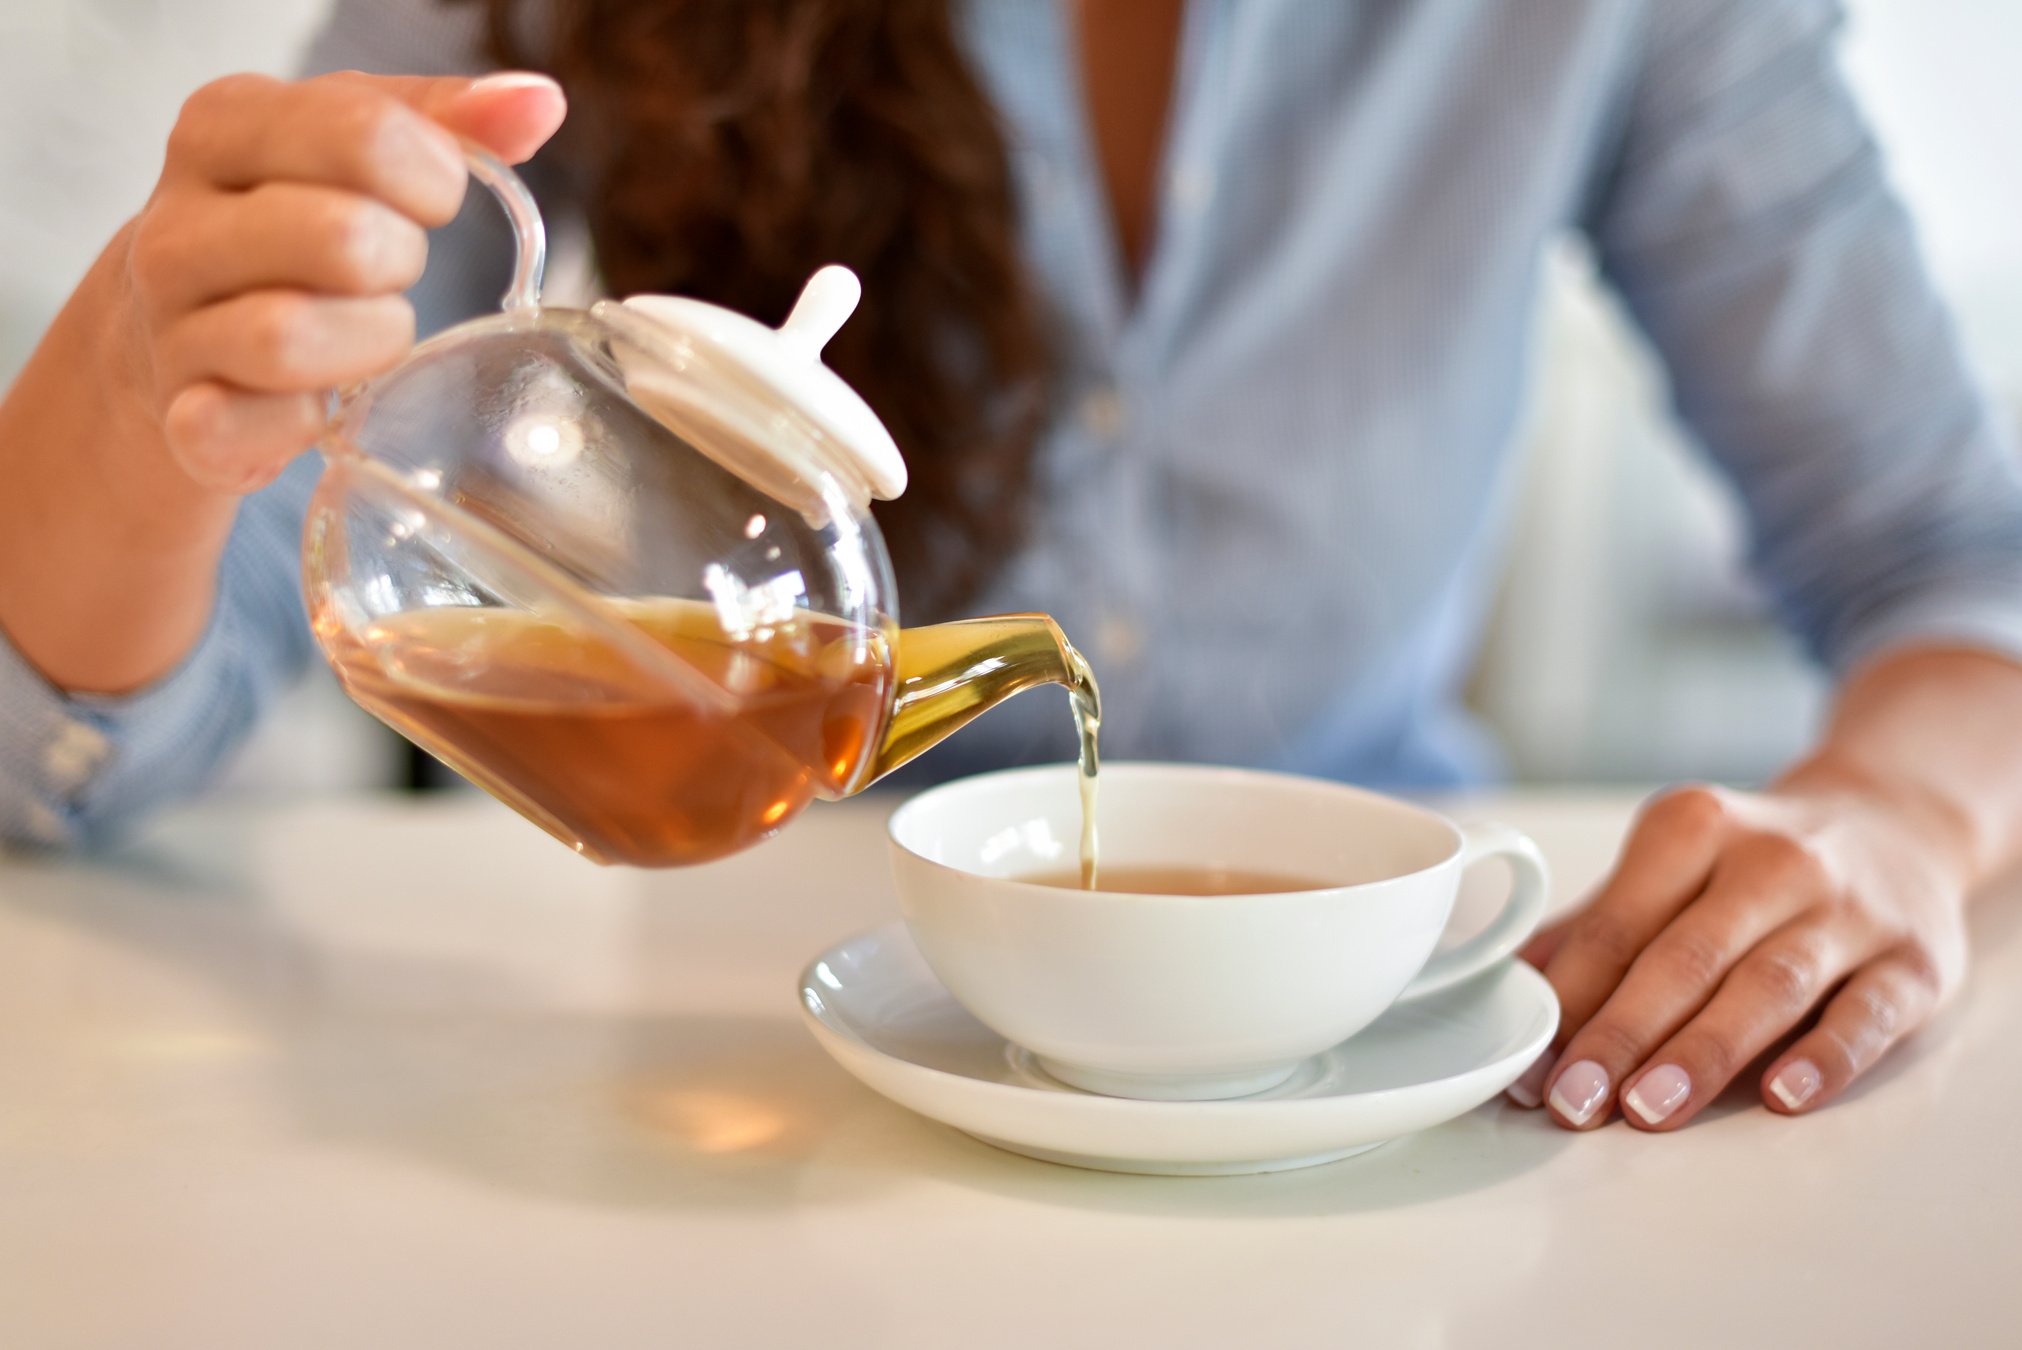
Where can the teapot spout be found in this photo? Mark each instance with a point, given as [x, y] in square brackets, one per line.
[949, 673]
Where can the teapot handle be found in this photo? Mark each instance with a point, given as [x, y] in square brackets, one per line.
[530, 236]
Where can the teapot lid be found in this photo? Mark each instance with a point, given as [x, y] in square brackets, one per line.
[787, 362]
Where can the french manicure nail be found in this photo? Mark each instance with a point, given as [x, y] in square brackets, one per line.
[1580, 1091]
[514, 79]
[1528, 1091]
[1796, 1083]
[1658, 1093]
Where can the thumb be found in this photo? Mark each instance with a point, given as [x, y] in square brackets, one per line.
[512, 114]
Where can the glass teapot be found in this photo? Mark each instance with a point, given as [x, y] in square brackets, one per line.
[618, 567]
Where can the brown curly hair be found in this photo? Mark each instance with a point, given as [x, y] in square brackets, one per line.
[733, 145]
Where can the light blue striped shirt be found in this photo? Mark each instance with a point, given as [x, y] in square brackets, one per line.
[1275, 494]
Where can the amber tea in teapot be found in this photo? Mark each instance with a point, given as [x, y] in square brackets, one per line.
[561, 731]
[545, 715]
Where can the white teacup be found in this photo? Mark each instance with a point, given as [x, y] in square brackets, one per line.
[1188, 997]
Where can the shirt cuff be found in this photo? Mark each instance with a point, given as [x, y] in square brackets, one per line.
[1987, 619]
[70, 762]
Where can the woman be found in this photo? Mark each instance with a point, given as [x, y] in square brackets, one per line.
[1202, 326]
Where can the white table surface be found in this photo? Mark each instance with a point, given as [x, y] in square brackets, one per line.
[373, 1074]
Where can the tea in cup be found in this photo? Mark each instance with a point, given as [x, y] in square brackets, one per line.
[1243, 921]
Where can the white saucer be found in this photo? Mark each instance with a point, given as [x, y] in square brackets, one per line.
[875, 1007]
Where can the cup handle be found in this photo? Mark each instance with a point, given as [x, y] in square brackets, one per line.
[1521, 913]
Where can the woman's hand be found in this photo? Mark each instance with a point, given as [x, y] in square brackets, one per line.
[1728, 921]
[267, 267]
[193, 362]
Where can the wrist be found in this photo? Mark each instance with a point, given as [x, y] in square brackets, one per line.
[1926, 813]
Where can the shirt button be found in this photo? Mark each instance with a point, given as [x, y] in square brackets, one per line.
[1191, 187]
[73, 756]
[1119, 639]
[1102, 413]
[44, 825]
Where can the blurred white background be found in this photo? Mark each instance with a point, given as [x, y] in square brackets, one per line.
[1643, 651]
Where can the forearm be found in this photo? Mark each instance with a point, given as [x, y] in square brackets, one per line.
[108, 550]
[1938, 730]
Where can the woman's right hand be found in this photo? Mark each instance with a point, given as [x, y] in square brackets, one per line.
[268, 266]
[194, 360]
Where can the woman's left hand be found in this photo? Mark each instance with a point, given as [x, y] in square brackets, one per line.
[1730, 919]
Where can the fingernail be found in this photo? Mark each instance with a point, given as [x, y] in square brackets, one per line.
[513, 79]
[1796, 1083]
[1528, 1091]
[1580, 1091]
[1658, 1093]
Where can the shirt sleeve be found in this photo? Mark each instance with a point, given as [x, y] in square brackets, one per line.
[1748, 224]
[74, 769]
